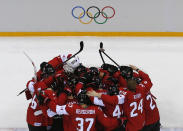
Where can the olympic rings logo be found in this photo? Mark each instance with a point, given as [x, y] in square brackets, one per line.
[91, 16]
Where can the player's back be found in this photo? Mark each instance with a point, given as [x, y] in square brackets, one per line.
[36, 114]
[133, 110]
[83, 119]
[66, 118]
[151, 110]
[114, 111]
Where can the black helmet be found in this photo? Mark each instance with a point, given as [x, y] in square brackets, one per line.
[94, 83]
[83, 98]
[113, 90]
[71, 81]
[112, 80]
[110, 68]
[47, 69]
[94, 71]
[126, 72]
[80, 70]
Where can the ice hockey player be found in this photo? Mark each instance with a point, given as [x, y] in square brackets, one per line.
[113, 111]
[84, 116]
[152, 117]
[37, 118]
[45, 75]
[132, 99]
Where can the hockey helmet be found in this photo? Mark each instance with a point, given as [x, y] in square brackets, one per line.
[72, 64]
[94, 71]
[80, 70]
[110, 68]
[83, 98]
[47, 69]
[126, 72]
[113, 90]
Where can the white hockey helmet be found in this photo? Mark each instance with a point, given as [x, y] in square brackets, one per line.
[72, 64]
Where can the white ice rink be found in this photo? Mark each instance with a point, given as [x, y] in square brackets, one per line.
[161, 58]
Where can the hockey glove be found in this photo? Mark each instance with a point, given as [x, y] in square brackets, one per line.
[42, 98]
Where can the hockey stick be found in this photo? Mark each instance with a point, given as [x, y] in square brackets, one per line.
[35, 71]
[81, 48]
[103, 51]
[22, 91]
[100, 50]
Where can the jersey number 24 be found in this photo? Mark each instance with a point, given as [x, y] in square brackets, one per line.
[136, 106]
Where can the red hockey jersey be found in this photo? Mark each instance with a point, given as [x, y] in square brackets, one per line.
[84, 119]
[37, 114]
[133, 103]
[151, 110]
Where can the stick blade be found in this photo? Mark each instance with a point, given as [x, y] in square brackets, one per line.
[101, 45]
[81, 45]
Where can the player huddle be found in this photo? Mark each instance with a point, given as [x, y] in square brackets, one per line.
[71, 97]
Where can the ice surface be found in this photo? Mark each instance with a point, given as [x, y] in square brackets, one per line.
[161, 58]
[24, 129]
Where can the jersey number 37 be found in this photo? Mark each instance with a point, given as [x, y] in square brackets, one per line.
[81, 123]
